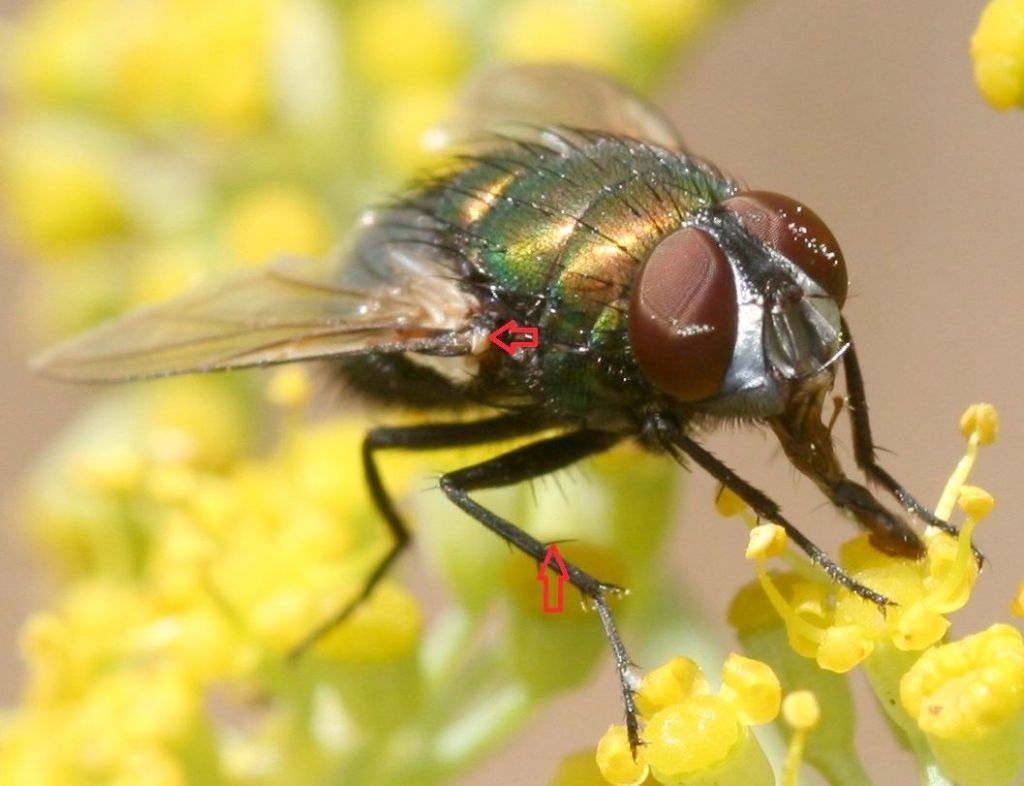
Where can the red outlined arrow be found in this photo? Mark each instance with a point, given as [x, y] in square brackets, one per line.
[544, 575]
[512, 329]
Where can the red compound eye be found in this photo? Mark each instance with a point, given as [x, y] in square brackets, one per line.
[796, 232]
[683, 313]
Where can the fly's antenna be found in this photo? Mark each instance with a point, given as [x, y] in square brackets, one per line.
[836, 357]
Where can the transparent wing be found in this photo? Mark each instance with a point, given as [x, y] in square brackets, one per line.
[523, 100]
[286, 312]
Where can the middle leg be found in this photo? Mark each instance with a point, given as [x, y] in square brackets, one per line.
[864, 445]
[526, 463]
[425, 436]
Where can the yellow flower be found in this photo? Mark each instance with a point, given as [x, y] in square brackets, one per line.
[165, 270]
[968, 687]
[997, 48]
[542, 30]
[98, 705]
[1017, 604]
[63, 186]
[671, 683]
[967, 697]
[766, 540]
[282, 562]
[59, 53]
[66, 649]
[276, 220]
[399, 42]
[692, 736]
[403, 118]
[386, 625]
[226, 90]
[801, 712]
[90, 504]
[840, 630]
[752, 688]
[981, 420]
[157, 64]
[290, 387]
[113, 469]
[615, 759]
[240, 566]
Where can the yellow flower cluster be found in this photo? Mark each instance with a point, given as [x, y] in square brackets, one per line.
[150, 144]
[224, 568]
[841, 631]
[193, 569]
[959, 703]
[203, 571]
[693, 736]
[156, 66]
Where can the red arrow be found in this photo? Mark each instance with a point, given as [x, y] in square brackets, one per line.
[513, 329]
[544, 575]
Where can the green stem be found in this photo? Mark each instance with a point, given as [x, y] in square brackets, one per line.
[884, 670]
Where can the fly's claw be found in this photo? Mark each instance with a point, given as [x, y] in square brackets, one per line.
[596, 595]
[612, 589]
[932, 520]
[633, 734]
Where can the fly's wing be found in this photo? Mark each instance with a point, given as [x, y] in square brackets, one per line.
[524, 100]
[399, 296]
[286, 312]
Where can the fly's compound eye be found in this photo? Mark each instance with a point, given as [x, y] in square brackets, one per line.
[683, 315]
[796, 232]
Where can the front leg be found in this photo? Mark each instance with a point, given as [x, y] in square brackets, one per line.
[864, 446]
[679, 445]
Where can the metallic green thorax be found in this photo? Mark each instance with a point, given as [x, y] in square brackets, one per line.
[554, 234]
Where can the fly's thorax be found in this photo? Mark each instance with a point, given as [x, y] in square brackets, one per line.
[571, 222]
[738, 312]
[553, 238]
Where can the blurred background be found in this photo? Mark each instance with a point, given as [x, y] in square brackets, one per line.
[865, 111]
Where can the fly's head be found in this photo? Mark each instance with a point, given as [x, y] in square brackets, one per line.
[737, 314]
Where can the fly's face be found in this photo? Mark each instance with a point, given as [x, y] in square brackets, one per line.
[738, 313]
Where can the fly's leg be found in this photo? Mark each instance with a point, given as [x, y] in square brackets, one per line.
[864, 445]
[526, 463]
[676, 442]
[428, 436]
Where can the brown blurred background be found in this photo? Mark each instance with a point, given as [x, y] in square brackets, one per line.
[867, 112]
